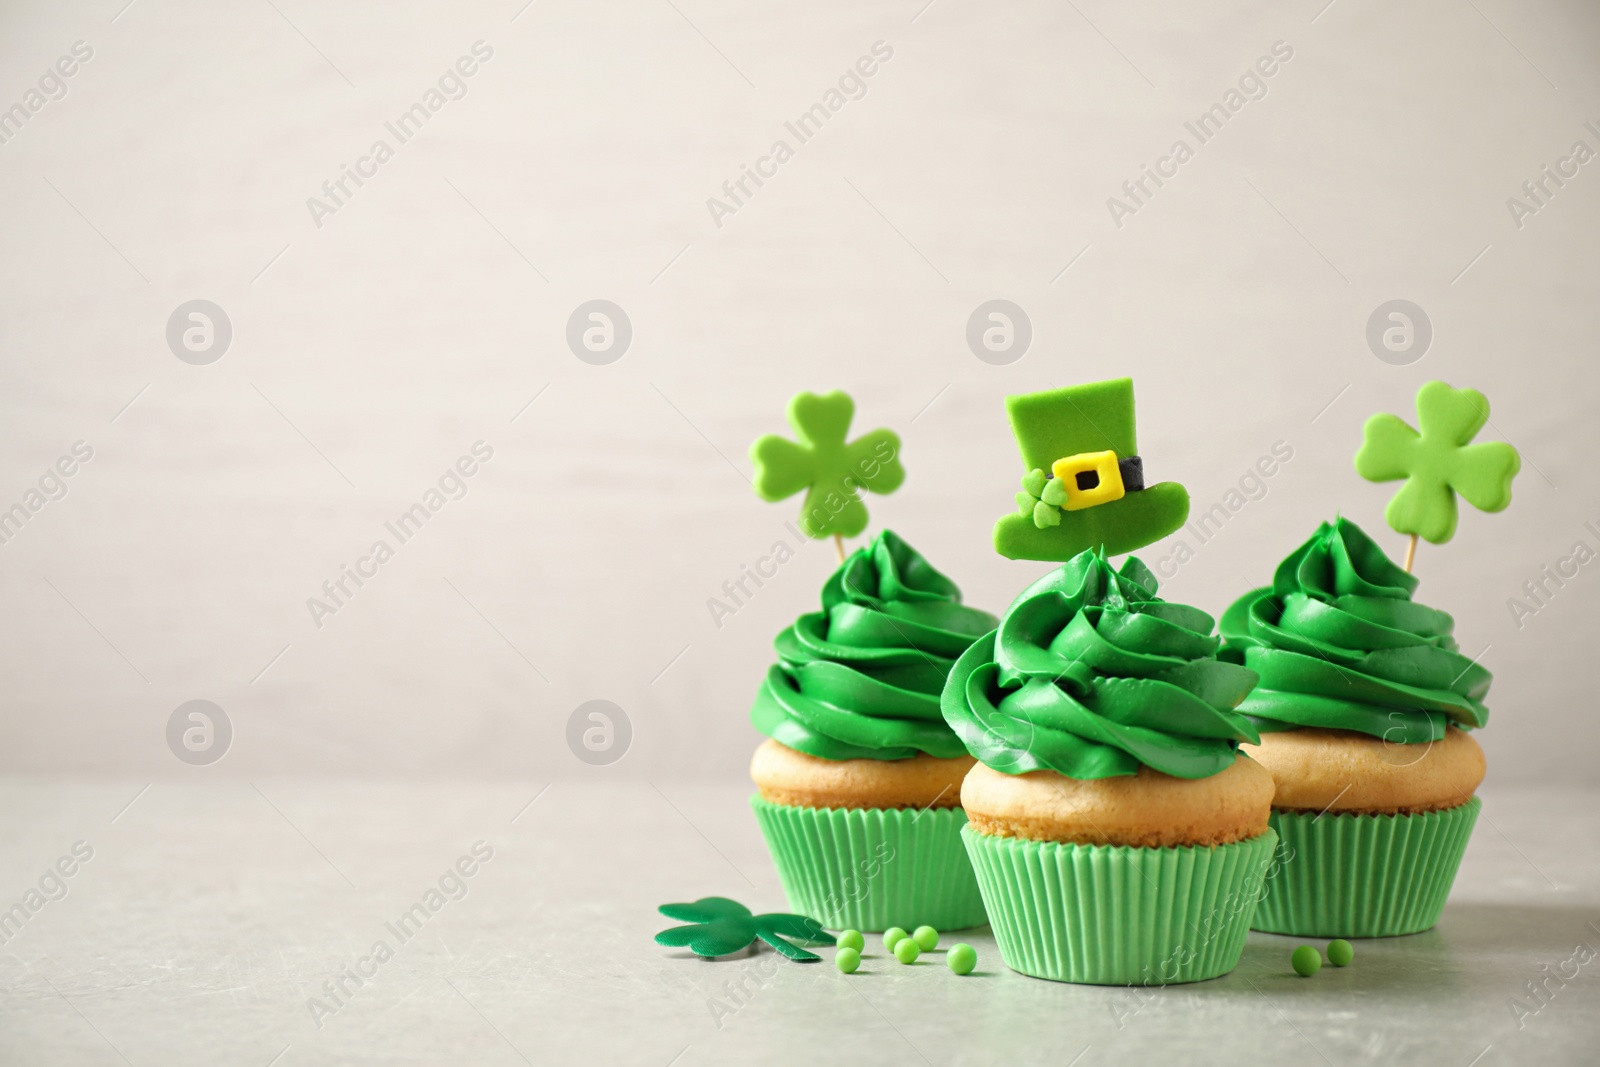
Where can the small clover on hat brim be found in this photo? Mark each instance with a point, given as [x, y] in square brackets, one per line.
[720, 926]
[1438, 462]
[831, 468]
[1041, 499]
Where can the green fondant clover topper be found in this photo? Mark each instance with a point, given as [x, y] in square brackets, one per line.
[831, 468]
[1437, 463]
[720, 926]
[1085, 482]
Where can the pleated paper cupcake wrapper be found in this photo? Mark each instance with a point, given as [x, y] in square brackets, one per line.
[873, 868]
[1114, 915]
[1354, 875]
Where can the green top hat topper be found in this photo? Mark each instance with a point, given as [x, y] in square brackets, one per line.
[1084, 486]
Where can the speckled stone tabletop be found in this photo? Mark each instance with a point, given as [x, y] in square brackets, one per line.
[240, 923]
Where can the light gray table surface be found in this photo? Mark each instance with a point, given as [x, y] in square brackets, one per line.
[210, 915]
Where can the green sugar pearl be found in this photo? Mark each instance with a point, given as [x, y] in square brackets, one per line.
[926, 938]
[1340, 953]
[847, 959]
[906, 950]
[1306, 961]
[961, 958]
[851, 939]
[893, 936]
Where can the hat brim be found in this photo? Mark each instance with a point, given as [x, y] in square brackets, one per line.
[1138, 519]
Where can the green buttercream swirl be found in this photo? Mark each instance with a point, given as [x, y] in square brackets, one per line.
[860, 679]
[1340, 644]
[1091, 675]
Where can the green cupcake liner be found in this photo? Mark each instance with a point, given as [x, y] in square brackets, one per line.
[1354, 875]
[873, 868]
[1114, 915]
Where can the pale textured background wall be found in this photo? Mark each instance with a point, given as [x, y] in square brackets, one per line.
[368, 354]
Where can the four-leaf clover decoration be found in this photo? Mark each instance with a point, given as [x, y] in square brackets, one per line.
[721, 926]
[1437, 463]
[823, 462]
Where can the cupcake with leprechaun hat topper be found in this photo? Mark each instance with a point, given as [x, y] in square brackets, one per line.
[1365, 698]
[1117, 832]
[859, 784]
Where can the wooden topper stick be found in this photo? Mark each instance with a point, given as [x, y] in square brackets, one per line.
[838, 543]
[1411, 552]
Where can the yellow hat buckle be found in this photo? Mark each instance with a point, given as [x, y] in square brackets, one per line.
[1090, 478]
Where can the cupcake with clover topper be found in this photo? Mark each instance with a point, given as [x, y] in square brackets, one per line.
[859, 782]
[1117, 832]
[1366, 699]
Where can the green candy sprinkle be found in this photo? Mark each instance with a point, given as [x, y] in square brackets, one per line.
[1340, 953]
[851, 939]
[926, 938]
[961, 958]
[906, 950]
[893, 936]
[1306, 961]
[847, 959]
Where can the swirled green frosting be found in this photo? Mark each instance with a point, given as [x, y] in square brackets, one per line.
[1091, 675]
[860, 679]
[1339, 643]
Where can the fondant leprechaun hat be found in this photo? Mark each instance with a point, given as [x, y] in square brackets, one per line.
[1084, 487]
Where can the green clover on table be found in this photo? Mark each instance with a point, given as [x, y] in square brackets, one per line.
[832, 469]
[1041, 499]
[1437, 463]
[721, 926]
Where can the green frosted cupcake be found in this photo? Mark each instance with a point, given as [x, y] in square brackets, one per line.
[1363, 707]
[859, 786]
[1118, 834]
